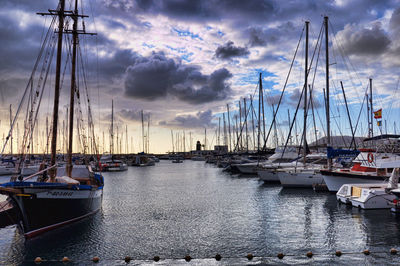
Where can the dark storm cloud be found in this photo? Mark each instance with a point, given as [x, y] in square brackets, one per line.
[117, 63]
[259, 36]
[212, 10]
[157, 76]
[365, 41]
[200, 120]
[228, 51]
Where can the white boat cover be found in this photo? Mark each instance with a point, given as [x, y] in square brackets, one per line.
[66, 180]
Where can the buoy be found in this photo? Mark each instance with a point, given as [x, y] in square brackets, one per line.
[393, 251]
[249, 256]
[338, 253]
[156, 258]
[280, 256]
[366, 252]
[128, 259]
[188, 258]
[38, 260]
[309, 254]
[65, 259]
[218, 257]
[96, 259]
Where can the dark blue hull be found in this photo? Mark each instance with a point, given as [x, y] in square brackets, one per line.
[43, 208]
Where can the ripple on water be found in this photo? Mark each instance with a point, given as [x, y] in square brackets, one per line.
[172, 210]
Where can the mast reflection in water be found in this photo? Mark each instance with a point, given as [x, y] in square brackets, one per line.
[174, 210]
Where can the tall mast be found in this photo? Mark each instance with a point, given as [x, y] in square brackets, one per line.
[219, 130]
[259, 113]
[252, 121]
[229, 128]
[11, 142]
[305, 96]
[148, 134]
[205, 138]
[328, 126]
[240, 125]
[143, 131]
[112, 128]
[371, 124]
[245, 121]
[57, 88]
[73, 88]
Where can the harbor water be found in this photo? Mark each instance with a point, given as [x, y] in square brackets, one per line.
[193, 208]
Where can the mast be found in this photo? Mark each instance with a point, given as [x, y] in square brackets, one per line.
[57, 89]
[229, 128]
[328, 126]
[148, 135]
[370, 114]
[172, 138]
[11, 142]
[259, 113]
[73, 89]
[245, 121]
[205, 138]
[305, 97]
[112, 128]
[219, 130]
[252, 122]
[240, 125]
[143, 131]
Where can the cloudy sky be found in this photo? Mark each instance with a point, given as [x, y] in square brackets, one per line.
[182, 62]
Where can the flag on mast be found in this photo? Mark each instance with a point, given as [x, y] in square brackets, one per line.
[378, 114]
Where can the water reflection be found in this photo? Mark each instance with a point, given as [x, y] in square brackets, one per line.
[172, 210]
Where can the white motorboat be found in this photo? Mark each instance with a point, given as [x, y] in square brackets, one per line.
[370, 196]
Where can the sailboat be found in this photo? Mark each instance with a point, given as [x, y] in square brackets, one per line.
[108, 163]
[60, 195]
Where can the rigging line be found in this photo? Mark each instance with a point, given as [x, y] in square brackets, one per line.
[395, 94]
[90, 117]
[359, 115]
[346, 58]
[41, 95]
[27, 87]
[284, 88]
[294, 121]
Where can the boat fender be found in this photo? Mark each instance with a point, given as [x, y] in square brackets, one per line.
[370, 157]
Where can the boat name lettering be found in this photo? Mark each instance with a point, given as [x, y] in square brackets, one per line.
[59, 193]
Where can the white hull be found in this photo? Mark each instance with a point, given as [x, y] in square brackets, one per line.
[366, 196]
[304, 179]
[335, 182]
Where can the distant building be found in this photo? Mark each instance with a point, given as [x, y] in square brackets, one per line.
[221, 149]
